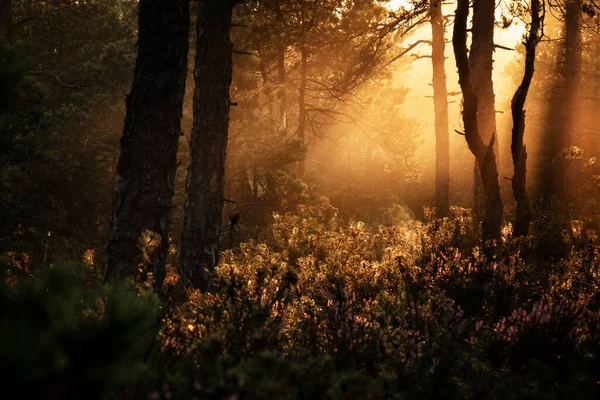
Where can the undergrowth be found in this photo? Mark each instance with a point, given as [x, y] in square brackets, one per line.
[326, 310]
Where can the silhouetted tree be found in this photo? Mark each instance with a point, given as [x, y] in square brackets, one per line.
[481, 63]
[484, 154]
[205, 180]
[572, 74]
[518, 150]
[562, 116]
[440, 104]
[304, 21]
[148, 162]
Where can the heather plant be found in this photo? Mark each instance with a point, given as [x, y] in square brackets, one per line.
[332, 309]
[325, 308]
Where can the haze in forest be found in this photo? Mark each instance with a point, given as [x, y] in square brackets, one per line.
[300, 199]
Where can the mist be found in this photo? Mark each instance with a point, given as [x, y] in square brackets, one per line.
[300, 199]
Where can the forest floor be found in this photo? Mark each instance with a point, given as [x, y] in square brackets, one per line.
[323, 309]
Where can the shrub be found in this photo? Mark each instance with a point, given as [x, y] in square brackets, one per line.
[60, 339]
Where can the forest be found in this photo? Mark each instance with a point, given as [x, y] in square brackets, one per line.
[300, 199]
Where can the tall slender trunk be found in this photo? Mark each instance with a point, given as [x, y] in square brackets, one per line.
[302, 107]
[440, 104]
[561, 117]
[302, 88]
[148, 160]
[281, 79]
[267, 93]
[518, 150]
[484, 154]
[481, 63]
[6, 19]
[282, 94]
[205, 180]
[572, 72]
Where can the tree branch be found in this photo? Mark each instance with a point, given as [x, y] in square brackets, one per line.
[77, 85]
[497, 46]
[244, 53]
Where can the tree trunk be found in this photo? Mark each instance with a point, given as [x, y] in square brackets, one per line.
[572, 72]
[302, 108]
[268, 94]
[492, 218]
[281, 78]
[282, 94]
[561, 119]
[302, 89]
[440, 103]
[205, 180]
[518, 150]
[148, 160]
[481, 63]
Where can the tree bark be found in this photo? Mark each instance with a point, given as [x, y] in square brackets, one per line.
[492, 218]
[205, 181]
[440, 103]
[518, 150]
[148, 159]
[481, 63]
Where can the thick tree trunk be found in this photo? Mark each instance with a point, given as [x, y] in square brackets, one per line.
[481, 63]
[440, 103]
[518, 150]
[492, 218]
[205, 180]
[147, 163]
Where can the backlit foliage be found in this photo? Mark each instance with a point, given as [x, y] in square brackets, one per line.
[327, 309]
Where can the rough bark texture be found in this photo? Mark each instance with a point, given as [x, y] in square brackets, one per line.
[492, 218]
[518, 150]
[205, 180]
[481, 63]
[440, 104]
[147, 163]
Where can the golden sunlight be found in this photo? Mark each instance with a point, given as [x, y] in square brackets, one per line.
[306, 199]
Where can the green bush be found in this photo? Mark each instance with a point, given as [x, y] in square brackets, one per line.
[61, 339]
